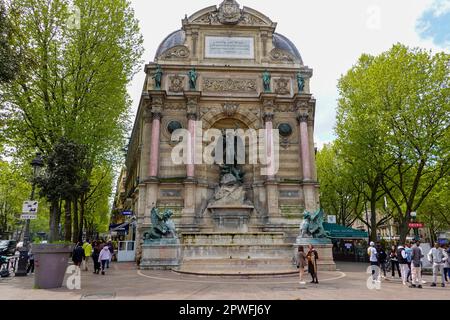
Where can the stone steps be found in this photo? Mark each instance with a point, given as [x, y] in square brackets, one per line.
[221, 267]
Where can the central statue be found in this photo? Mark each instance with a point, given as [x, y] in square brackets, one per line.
[230, 190]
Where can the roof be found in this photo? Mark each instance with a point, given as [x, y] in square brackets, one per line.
[178, 37]
[338, 231]
[281, 42]
[174, 39]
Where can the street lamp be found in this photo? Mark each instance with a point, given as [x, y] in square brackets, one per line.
[416, 230]
[37, 163]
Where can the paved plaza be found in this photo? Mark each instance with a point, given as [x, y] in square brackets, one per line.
[124, 281]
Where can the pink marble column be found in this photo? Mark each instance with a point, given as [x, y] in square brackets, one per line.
[190, 167]
[154, 146]
[270, 147]
[304, 147]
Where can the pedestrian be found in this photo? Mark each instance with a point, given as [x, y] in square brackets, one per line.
[30, 268]
[95, 255]
[403, 262]
[408, 251]
[437, 256]
[111, 251]
[312, 257]
[394, 261]
[87, 247]
[447, 266]
[372, 252]
[104, 257]
[416, 265]
[301, 263]
[382, 256]
[78, 254]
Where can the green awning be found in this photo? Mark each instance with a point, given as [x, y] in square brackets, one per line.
[338, 231]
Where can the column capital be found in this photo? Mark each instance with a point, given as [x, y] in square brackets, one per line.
[268, 116]
[302, 115]
[192, 100]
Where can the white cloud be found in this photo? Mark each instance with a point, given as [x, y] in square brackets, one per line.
[329, 34]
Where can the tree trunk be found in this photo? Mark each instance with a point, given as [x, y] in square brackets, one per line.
[67, 220]
[75, 235]
[54, 221]
[373, 217]
[82, 209]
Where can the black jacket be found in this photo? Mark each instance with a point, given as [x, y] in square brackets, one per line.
[78, 254]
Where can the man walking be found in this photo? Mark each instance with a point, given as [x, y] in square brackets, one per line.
[408, 251]
[437, 257]
[372, 252]
[382, 256]
[403, 262]
[87, 253]
[416, 266]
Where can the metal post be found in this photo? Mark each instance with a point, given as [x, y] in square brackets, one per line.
[22, 264]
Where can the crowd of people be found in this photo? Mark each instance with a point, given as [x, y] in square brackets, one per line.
[406, 261]
[101, 252]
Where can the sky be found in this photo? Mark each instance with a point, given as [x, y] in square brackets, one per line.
[330, 35]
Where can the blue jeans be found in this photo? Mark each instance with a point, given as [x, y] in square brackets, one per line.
[104, 262]
[447, 274]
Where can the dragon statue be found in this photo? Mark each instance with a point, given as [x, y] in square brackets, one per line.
[312, 225]
[162, 225]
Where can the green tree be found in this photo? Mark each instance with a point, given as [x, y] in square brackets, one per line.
[8, 58]
[78, 57]
[340, 193]
[393, 125]
[14, 189]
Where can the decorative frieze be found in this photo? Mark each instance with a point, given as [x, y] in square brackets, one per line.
[177, 52]
[176, 83]
[282, 86]
[229, 85]
[230, 108]
[281, 56]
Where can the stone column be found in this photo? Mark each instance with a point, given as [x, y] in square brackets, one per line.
[156, 110]
[273, 211]
[190, 167]
[304, 145]
[305, 156]
[192, 99]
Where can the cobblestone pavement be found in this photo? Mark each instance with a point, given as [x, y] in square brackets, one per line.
[124, 281]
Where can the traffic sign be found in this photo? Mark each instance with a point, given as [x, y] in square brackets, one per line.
[30, 207]
[127, 213]
[331, 219]
[28, 216]
[415, 225]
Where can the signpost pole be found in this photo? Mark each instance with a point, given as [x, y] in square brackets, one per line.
[22, 264]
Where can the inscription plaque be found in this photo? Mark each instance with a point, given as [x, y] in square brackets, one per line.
[229, 47]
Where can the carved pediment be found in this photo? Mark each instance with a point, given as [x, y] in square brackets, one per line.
[229, 12]
[177, 52]
[279, 55]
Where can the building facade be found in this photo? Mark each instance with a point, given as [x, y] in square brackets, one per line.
[228, 68]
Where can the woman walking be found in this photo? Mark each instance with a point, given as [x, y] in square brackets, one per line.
[104, 258]
[95, 255]
[394, 262]
[301, 259]
[312, 257]
[78, 255]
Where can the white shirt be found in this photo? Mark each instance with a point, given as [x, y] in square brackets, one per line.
[373, 254]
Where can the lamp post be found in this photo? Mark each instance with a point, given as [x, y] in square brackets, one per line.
[416, 230]
[37, 165]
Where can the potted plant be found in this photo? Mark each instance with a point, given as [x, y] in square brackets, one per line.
[51, 261]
